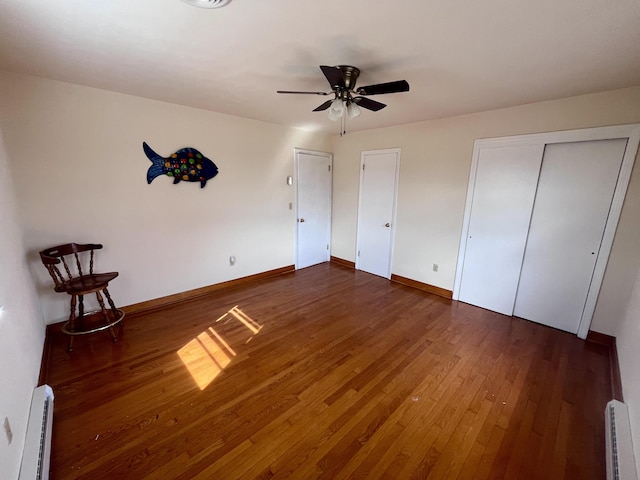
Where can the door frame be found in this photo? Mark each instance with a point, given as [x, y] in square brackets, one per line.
[631, 132]
[329, 157]
[396, 151]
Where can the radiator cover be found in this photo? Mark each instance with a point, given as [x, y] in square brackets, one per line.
[37, 446]
[619, 448]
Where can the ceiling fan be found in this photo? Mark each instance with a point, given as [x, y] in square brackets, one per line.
[348, 98]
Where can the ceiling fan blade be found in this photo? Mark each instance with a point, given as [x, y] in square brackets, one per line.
[380, 88]
[304, 93]
[324, 106]
[369, 104]
[334, 76]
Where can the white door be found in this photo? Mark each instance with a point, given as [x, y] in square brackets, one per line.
[575, 190]
[313, 207]
[376, 211]
[503, 196]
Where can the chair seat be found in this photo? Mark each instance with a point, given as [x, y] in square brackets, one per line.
[88, 283]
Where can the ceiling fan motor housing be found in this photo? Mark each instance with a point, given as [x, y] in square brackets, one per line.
[350, 75]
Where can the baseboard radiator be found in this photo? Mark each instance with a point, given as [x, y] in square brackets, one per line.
[621, 463]
[37, 446]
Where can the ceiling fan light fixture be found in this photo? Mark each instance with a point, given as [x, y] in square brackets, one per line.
[336, 109]
[207, 3]
[353, 110]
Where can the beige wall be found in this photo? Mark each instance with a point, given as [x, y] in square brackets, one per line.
[21, 328]
[434, 173]
[80, 175]
[628, 339]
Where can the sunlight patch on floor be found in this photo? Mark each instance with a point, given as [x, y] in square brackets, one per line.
[208, 354]
[245, 319]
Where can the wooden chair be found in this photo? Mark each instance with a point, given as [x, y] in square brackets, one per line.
[77, 283]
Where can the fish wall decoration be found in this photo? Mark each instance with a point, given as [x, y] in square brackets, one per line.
[186, 164]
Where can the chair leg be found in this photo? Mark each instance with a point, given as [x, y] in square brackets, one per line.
[80, 318]
[72, 323]
[106, 316]
[114, 310]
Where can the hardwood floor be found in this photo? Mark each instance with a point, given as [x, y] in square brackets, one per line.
[328, 373]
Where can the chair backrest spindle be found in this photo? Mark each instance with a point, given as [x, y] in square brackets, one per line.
[66, 267]
[78, 263]
[57, 277]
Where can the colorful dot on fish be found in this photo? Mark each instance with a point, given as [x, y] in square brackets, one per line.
[198, 155]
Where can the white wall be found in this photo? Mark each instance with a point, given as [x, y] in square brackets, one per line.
[434, 173]
[21, 329]
[80, 175]
[628, 339]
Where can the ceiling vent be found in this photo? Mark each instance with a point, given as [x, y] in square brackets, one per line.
[207, 3]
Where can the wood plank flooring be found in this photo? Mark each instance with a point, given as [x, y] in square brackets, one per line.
[328, 373]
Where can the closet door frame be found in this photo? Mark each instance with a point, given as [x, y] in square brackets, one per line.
[630, 132]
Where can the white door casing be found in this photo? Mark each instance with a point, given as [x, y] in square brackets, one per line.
[313, 207]
[379, 171]
[627, 132]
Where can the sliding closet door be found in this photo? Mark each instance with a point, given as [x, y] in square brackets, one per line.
[575, 190]
[503, 195]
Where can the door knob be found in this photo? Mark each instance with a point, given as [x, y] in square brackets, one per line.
[387, 224]
[301, 220]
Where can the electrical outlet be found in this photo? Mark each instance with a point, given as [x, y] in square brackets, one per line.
[435, 267]
[7, 430]
[232, 260]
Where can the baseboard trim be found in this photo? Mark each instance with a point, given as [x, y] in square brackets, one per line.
[44, 361]
[442, 292]
[614, 366]
[199, 292]
[343, 262]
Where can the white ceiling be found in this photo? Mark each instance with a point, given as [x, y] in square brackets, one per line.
[458, 56]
